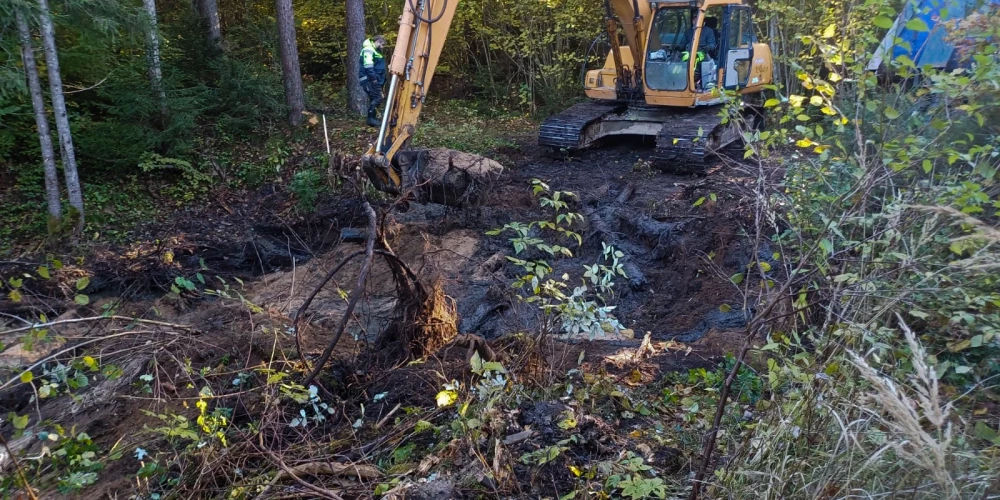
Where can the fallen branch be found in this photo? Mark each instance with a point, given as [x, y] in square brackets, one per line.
[355, 296]
[36, 326]
[315, 469]
[72, 348]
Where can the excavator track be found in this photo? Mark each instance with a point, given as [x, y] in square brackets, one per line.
[685, 140]
[685, 137]
[568, 130]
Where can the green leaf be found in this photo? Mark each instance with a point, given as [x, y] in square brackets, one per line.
[82, 283]
[884, 22]
[14, 296]
[890, 113]
[19, 421]
[827, 246]
[764, 266]
[27, 377]
[90, 363]
[15, 282]
[81, 299]
[725, 308]
[737, 278]
[986, 433]
[770, 103]
[43, 271]
[917, 24]
[976, 341]
[173, 288]
[713, 197]
[699, 202]
[422, 425]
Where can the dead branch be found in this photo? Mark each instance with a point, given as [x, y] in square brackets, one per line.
[72, 348]
[187, 328]
[309, 468]
[305, 305]
[355, 295]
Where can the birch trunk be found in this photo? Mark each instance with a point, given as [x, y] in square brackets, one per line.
[291, 74]
[59, 110]
[153, 47]
[355, 38]
[42, 122]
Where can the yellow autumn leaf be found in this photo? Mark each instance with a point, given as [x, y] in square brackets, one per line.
[816, 100]
[446, 398]
[804, 143]
[575, 470]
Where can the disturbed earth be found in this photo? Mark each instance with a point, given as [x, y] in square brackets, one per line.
[252, 266]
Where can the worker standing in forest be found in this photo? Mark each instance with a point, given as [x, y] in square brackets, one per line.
[372, 75]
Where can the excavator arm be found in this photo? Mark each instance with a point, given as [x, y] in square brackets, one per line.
[444, 176]
[423, 28]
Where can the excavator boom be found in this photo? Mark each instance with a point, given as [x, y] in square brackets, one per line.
[441, 176]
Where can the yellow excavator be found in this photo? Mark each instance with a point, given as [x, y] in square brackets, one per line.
[664, 82]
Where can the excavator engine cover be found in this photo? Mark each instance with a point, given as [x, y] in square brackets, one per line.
[438, 175]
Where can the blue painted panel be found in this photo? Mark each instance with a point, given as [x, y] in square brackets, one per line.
[930, 47]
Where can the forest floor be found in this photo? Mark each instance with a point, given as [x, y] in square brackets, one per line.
[218, 354]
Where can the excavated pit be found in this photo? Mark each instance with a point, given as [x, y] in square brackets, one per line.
[679, 255]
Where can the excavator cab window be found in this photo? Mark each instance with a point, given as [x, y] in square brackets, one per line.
[667, 57]
[738, 48]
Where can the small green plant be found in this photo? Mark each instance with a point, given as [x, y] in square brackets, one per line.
[76, 457]
[194, 183]
[584, 310]
[308, 399]
[633, 481]
[307, 186]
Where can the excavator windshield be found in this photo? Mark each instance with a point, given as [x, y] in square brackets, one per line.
[669, 42]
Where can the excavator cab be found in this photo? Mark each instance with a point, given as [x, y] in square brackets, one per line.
[681, 54]
[662, 78]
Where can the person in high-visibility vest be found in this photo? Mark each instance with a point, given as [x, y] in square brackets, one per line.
[372, 75]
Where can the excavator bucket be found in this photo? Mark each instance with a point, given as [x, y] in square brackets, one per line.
[438, 175]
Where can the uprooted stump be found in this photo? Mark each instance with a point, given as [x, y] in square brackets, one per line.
[446, 176]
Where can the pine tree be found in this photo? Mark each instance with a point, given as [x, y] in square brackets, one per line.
[355, 38]
[291, 74]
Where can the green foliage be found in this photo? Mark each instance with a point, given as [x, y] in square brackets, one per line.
[307, 185]
[586, 308]
[890, 200]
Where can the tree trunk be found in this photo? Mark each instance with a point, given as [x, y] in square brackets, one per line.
[355, 38]
[291, 74]
[59, 109]
[42, 121]
[153, 47]
[209, 12]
